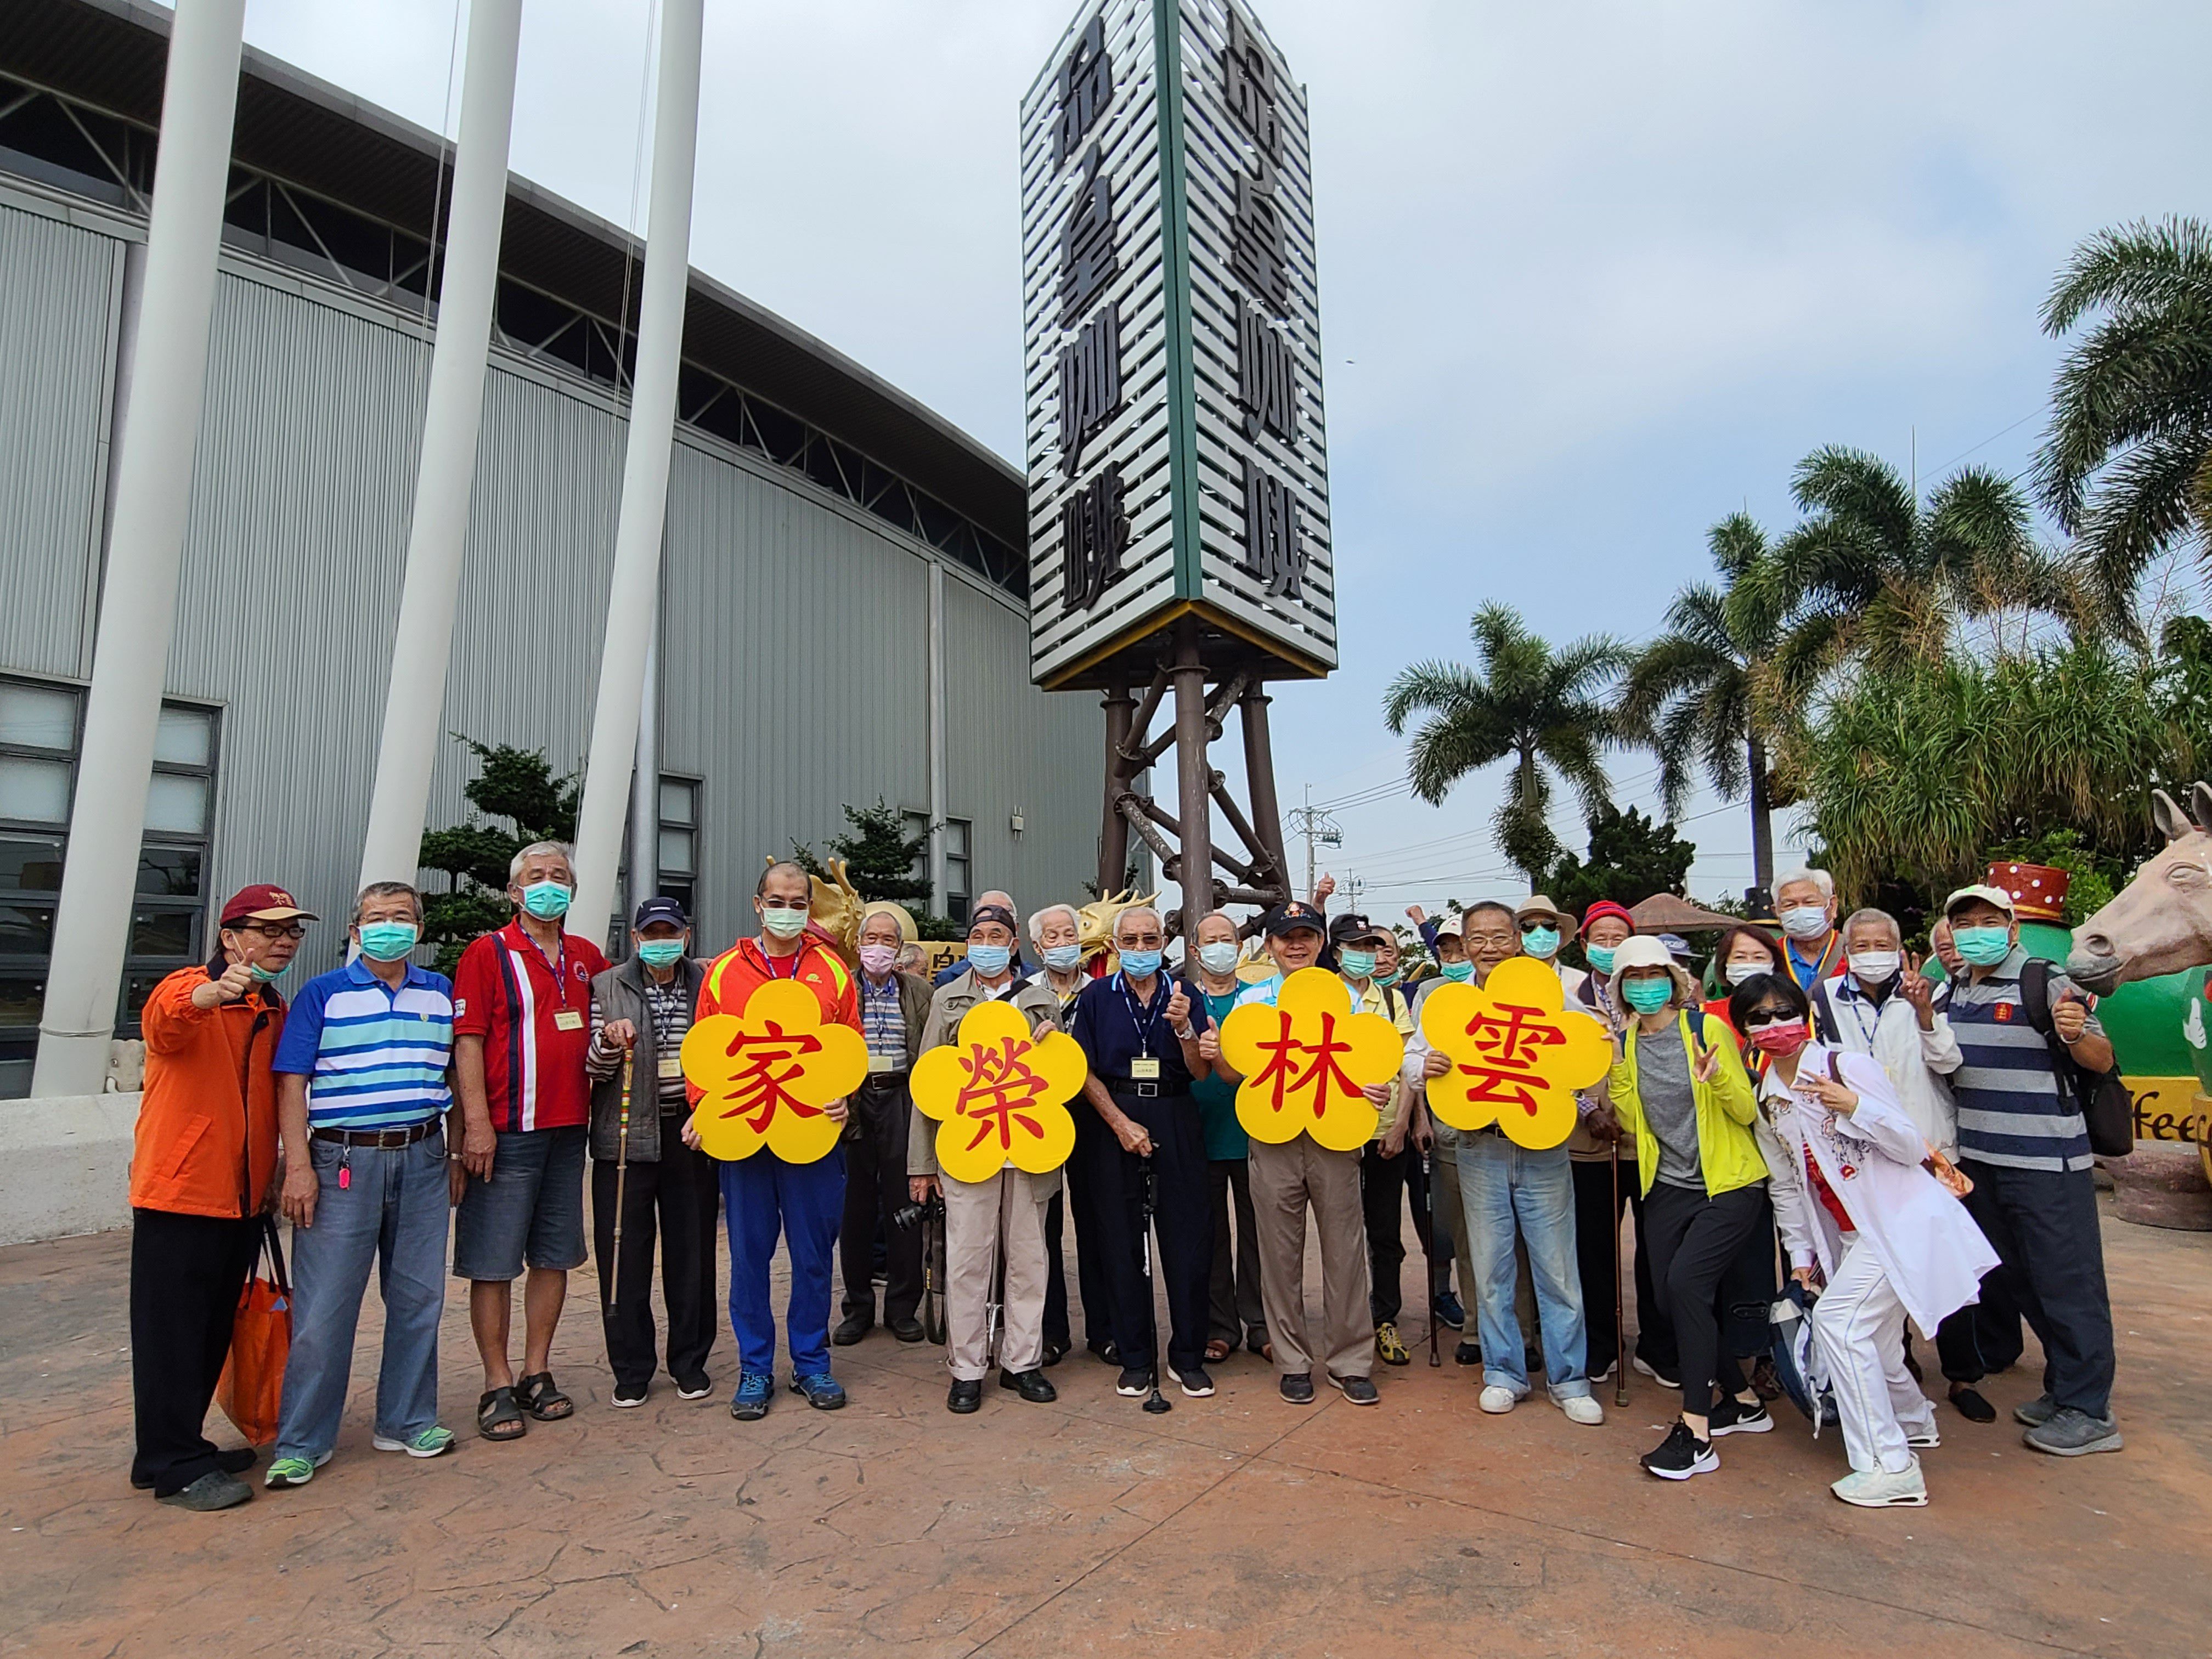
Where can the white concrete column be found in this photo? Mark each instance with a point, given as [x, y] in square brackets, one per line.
[645, 787]
[634, 596]
[937, 895]
[415, 697]
[146, 540]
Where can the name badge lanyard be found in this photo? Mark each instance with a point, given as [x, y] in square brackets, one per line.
[1143, 1018]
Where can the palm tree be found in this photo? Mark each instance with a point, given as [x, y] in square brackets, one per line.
[1700, 694]
[1544, 709]
[2127, 467]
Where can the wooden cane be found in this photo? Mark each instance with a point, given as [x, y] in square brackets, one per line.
[1619, 1326]
[622, 1175]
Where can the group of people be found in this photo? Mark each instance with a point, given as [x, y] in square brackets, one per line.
[1907, 1150]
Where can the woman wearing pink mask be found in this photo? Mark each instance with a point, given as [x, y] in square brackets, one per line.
[1867, 1226]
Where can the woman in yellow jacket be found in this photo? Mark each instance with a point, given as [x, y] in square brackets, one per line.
[1680, 1088]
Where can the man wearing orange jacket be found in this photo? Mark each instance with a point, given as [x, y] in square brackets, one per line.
[203, 1173]
[763, 1196]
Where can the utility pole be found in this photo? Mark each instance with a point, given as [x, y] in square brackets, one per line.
[1319, 828]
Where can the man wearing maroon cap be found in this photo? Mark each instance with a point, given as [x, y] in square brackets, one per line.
[203, 1174]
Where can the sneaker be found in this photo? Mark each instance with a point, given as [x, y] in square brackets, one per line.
[1731, 1416]
[1359, 1390]
[1878, 1489]
[1497, 1400]
[1390, 1347]
[232, 1460]
[1033, 1385]
[1468, 1353]
[1583, 1409]
[1605, 1375]
[627, 1396]
[1133, 1384]
[755, 1391]
[1636, 1362]
[697, 1389]
[1297, 1387]
[2038, 1411]
[1924, 1439]
[1449, 1310]
[1194, 1381]
[1969, 1404]
[2072, 1433]
[820, 1390]
[433, 1442]
[292, 1471]
[1681, 1455]
[218, 1489]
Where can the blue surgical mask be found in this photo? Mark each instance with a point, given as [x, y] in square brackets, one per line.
[264, 972]
[1459, 973]
[660, 952]
[387, 941]
[1805, 922]
[1217, 958]
[1140, 964]
[546, 900]
[784, 923]
[989, 960]
[1648, 996]
[1061, 958]
[1356, 965]
[1985, 947]
[1541, 942]
[1390, 979]
[1600, 957]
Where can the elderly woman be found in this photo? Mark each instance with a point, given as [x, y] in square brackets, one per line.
[1866, 1225]
[893, 1006]
[988, 1222]
[1680, 1089]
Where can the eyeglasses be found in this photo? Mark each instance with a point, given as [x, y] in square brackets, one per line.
[273, 929]
[785, 904]
[1491, 939]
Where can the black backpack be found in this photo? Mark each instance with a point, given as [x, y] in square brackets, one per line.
[2107, 1109]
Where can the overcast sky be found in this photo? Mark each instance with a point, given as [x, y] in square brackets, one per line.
[1594, 273]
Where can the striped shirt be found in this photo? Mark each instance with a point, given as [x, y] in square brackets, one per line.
[882, 1021]
[375, 1058]
[2013, 1110]
[534, 1015]
[669, 1006]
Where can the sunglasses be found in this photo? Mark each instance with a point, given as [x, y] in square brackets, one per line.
[1760, 1018]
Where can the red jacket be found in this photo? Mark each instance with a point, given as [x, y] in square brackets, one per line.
[206, 1141]
[731, 976]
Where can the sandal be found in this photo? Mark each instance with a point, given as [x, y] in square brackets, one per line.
[1216, 1351]
[536, 1394]
[499, 1417]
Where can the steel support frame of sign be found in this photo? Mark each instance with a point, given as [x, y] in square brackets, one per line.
[1183, 840]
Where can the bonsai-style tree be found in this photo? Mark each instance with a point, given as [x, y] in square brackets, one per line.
[514, 784]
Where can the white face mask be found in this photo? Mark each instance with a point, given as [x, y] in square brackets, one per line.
[1805, 921]
[1736, 972]
[1876, 967]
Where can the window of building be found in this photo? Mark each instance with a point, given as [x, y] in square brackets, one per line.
[957, 892]
[42, 725]
[679, 842]
[915, 826]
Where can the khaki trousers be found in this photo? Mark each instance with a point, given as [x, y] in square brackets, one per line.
[988, 1222]
[1284, 1180]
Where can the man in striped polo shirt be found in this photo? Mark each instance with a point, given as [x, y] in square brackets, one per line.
[2022, 1141]
[361, 1074]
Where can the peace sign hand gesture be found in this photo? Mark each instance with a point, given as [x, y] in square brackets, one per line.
[1707, 1065]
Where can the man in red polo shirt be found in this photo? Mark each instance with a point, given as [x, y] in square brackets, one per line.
[763, 1196]
[522, 1005]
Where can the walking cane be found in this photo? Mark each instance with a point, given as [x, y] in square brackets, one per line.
[1619, 1337]
[1158, 1402]
[622, 1179]
[1429, 1248]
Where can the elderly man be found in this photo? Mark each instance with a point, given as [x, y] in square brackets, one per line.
[1234, 1314]
[1140, 1030]
[1447, 1235]
[1401, 1129]
[993, 899]
[202, 1175]
[1805, 904]
[1056, 935]
[1287, 1180]
[997, 1222]
[2024, 1144]
[645, 1170]
[522, 1005]
[764, 1198]
[363, 1075]
[894, 1007]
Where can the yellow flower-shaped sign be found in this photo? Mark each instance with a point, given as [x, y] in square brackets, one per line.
[1518, 1054]
[764, 1074]
[999, 1096]
[1305, 1061]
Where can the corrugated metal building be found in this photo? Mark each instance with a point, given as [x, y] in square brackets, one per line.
[812, 510]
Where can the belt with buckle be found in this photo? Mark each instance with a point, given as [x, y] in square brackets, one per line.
[1122, 1085]
[390, 1139]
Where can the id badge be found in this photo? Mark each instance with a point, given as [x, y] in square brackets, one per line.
[671, 1067]
[568, 1020]
[882, 1063]
[1146, 1070]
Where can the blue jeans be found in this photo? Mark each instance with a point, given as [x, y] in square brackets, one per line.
[764, 1198]
[392, 1213]
[1503, 1186]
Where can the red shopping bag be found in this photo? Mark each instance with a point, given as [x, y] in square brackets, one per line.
[251, 1387]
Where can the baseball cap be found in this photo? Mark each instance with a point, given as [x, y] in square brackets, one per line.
[263, 902]
[1352, 928]
[1290, 918]
[998, 912]
[1983, 891]
[659, 909]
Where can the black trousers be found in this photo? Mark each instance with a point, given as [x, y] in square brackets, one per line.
[1382, 1203]
[1694, 1242]
[1056, 1335]
[186, 1274]
[2042, 1225]
[1093, 1284]
[1182, 1218]
[1599, 1201]
[1983, 1337]
[676, 1197]
[876, 1190]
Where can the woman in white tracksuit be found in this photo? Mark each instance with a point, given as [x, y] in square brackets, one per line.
[1866, 1225]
